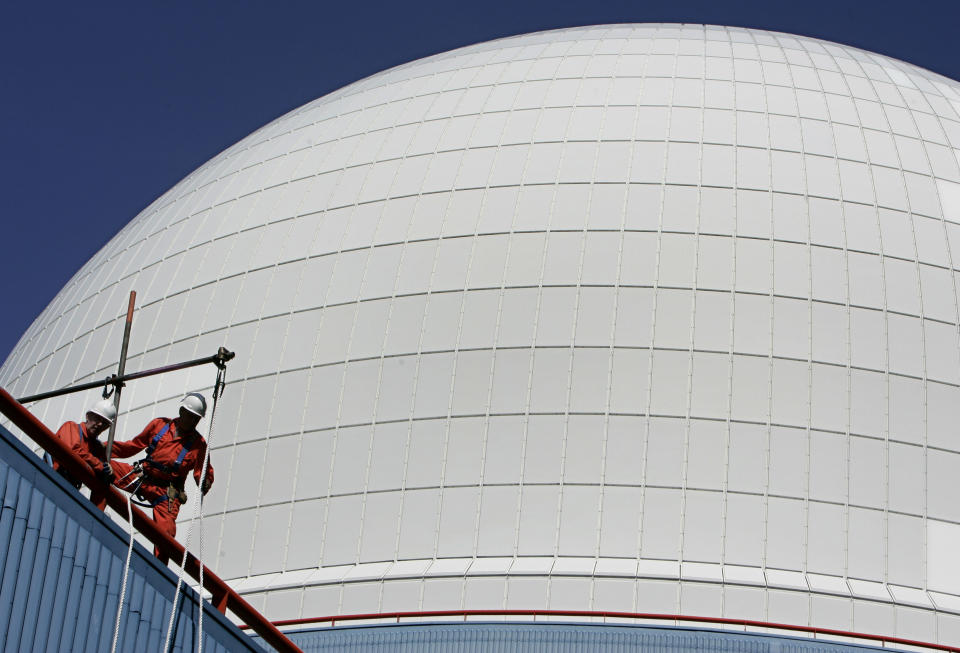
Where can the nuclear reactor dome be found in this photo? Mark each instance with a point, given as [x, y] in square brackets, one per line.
[640, 318]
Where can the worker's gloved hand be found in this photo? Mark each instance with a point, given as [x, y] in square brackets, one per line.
[106, 474]
[205, 487]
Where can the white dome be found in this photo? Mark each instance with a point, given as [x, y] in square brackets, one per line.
[646, 318]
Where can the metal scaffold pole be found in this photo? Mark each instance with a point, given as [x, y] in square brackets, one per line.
[121, 368]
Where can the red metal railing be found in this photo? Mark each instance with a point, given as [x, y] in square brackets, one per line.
[588, 614]
[224, 597]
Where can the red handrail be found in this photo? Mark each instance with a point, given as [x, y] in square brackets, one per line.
[728, 621]
[223, 595]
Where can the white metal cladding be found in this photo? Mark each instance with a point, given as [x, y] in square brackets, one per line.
[638, 317]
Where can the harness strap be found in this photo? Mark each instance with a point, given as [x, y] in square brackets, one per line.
[153, 443]
[153, 502]
[183, 454]
[82, 437]
[172, 492]
[163, 467]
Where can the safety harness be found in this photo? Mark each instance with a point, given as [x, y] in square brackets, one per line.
[163, 467]
[148, 463]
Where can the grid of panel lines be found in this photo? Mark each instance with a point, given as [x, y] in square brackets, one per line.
[660, 292]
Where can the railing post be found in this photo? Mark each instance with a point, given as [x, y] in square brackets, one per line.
[220, 602]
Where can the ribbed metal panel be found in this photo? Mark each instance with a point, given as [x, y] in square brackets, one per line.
[62, 569]
[553, 638]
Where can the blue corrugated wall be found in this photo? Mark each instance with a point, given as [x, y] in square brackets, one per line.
[553, 638]
[62, 568]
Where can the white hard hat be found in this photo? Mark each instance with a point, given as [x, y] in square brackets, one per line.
[105, 409]
[195, 403]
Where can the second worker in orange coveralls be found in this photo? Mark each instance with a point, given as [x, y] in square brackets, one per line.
[82, 438]
[174, 449]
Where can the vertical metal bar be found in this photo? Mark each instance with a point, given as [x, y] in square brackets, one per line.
[120, 370]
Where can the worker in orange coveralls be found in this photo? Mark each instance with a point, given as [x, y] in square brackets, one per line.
[174, 448]
[82, 440]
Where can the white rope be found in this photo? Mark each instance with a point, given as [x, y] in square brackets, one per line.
[186, 549]
[197, 512]
[176, 594]
[126, 564]
[126, 570]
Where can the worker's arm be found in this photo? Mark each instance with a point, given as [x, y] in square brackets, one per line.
[127, 448]
[198, 470]
[81, 449]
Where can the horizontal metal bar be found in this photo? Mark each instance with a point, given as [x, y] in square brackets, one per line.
[39, 433]
[218, 359]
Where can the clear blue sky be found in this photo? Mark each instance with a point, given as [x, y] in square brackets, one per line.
[105, 105]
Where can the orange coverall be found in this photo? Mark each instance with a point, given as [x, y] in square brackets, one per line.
[91, 450]
[162, 469]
